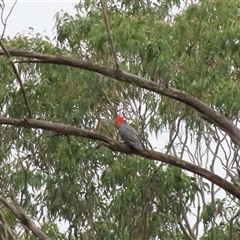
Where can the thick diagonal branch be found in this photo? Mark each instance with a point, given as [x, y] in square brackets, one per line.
[114, 145]
[24, 218]
[201, 107]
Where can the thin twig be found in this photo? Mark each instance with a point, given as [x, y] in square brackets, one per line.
[231, 224]
[185, 231]
[4, 22]
[112, 46]
[25, 173]
[176, 133]
[112, 109]
[8, 233]
[198, 219]
[7, 54]
[190, 231]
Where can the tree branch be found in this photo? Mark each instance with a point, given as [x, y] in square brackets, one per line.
[110, 39]
[7, 231]
[22, 216]
[138, 81]
[8, 55]
[114, 145]
[189, 228]
[185, 231]
[231, 224]
[4, 22]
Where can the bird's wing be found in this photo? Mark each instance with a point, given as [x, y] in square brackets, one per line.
[130, 136]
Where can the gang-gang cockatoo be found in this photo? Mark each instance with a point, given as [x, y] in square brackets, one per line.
[128, 134]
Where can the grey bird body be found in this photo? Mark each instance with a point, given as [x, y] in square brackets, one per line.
[130, 136]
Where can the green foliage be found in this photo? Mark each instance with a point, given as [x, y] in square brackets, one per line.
[101, 194]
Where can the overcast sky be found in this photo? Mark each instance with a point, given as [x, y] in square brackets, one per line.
[36, 14]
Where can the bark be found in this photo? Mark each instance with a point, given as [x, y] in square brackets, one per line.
[210, 114]
[116, 146]
[24, 218]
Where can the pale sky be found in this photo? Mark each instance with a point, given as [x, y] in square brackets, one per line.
[36, 14]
